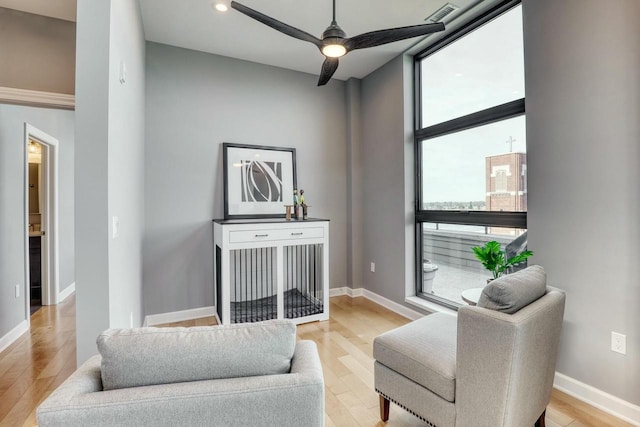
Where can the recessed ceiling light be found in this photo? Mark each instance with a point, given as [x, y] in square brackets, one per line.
[221, 7]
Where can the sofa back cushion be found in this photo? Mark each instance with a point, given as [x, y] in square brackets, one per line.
[147, 356]
[511, 292]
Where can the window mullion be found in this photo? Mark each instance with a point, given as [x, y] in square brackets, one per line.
[481, 218]
[480, 118]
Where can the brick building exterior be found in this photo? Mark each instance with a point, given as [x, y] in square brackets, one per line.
[506, 182]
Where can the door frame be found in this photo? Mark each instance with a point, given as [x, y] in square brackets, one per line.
[49, 219]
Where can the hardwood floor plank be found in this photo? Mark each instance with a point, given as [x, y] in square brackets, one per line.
[582, 413]
[40, 360]
[365, 360]
[29, 400]
[37, 362]
[363, 374]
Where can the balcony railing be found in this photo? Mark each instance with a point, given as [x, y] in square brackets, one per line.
[458, 268]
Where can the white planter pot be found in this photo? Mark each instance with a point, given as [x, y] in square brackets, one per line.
[428, 274]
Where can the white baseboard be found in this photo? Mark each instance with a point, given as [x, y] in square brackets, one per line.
[13, 334]
[179, 316]
[604, 401]
[392, 305]
[345, 290]
[62, 295]
[597, 398]
[385, 302]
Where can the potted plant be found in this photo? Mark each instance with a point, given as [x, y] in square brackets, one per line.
[494, 259]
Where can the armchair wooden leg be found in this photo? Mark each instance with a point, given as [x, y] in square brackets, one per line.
[540, 422]
[384, 408]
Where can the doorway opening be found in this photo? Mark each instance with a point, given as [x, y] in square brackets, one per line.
[41, 219]
[35, 225]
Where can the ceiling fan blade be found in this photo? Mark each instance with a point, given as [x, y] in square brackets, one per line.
[377, 38]
[329, 66]
[276, 25]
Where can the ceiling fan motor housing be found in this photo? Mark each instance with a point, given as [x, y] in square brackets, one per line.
[333, 31]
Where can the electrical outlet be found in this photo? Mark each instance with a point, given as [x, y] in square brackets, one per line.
[131, 320]
[373, 267]
[18, 291]
[618, 343]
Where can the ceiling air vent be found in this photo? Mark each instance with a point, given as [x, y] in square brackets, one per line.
[443, 12]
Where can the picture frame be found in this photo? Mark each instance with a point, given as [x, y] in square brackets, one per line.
[258, 180]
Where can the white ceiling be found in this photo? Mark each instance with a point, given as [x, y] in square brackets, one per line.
[194, 24]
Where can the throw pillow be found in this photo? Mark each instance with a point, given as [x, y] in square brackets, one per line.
[147, 356]
[511, 292]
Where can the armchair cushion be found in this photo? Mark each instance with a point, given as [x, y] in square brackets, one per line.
[423, 351]
[511, 292]
[148, 356]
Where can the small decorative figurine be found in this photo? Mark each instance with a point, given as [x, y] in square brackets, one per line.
[288, 211]
[296, 204]
[303, 204]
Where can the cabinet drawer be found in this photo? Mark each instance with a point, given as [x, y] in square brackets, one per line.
[241, 236]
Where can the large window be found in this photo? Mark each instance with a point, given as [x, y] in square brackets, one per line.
[471, 182]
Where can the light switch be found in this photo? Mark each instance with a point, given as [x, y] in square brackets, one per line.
[123, 72]
[115, 229]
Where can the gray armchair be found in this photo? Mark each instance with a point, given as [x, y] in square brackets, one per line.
[481, 368]
[237, 375]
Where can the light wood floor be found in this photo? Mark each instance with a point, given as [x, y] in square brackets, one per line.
[40, 360]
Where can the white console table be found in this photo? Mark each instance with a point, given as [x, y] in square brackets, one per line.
[271, 269]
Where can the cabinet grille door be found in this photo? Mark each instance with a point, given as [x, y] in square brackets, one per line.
[253, 285]
[303, 291]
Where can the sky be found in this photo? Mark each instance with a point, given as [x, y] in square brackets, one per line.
[483, 69]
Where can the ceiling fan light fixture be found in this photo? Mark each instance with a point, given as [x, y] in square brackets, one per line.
[221, 7]
[334, 50]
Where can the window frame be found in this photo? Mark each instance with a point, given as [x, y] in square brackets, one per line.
[487, 116]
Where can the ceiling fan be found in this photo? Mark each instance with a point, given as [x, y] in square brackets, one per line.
[334, 42]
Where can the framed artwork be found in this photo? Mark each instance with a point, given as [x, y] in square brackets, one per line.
[258, 180]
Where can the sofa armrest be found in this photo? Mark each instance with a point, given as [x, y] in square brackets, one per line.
[292, 399]
[306, 362]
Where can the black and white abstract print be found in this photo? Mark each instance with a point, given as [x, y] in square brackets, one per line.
[261, 181]
[258, 180]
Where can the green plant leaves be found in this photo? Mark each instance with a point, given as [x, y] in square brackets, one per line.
[493, 258]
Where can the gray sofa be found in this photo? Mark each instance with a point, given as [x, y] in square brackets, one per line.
[491, 365]
[237, 375]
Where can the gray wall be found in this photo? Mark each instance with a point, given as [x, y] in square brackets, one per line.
[109, 168]
[196, 101]
[583, 102]
[353, 99]
[37, 52]
[126, 162]
[59, 124]
[384, 147]
[583, 133]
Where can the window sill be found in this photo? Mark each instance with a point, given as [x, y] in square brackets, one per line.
[429, 306]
